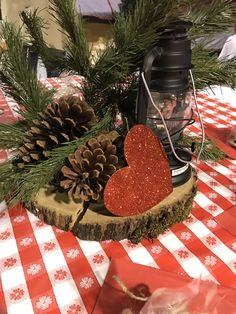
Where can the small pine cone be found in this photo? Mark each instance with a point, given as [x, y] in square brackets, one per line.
[90, 167]
[63, 120]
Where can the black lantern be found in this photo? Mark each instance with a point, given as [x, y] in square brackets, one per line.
[164, 99]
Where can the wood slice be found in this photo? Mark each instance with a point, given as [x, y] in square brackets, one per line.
[97, 224]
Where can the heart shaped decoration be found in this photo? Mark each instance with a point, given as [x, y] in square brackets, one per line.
[146, 180]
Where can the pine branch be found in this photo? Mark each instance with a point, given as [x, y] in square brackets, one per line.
[37, 176]
[76, 45]
[132, 35]
[147, 19]
[17, 78]
[138, 29]
[209, 70]
[101, 80]
[35, 26]
[127, 6]
[7, 175]
[11, 135]
[210, 151]
[211, 17]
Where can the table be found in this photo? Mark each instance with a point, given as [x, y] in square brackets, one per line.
[46, 270]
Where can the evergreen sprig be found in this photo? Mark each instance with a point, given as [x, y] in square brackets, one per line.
[132, 34]
[7, 178]
[209, 152]
[211, 17]
[18, 79]
[209, 70]
[11, 135]
[77, 52]
[127, 6]
[36, 27]
[102, 78]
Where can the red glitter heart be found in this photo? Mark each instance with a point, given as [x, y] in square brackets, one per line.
[145, 182]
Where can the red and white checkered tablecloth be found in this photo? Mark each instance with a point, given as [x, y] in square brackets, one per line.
[46, 270]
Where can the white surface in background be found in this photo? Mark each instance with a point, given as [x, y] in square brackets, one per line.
[41, 70]
[3, 206]
[223, 93]
[229, 49]
[216, 41]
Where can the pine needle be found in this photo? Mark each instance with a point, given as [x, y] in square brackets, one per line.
[7, 175]
[211, 17]
[17, 78]
[210, 151]
[127, 6]
[209, 70]
[208, 17]
[11, 135]
[76, 45]
[132, 34]
[35, 26]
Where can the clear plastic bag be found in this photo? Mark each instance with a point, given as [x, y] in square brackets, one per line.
[232, 136]
[197, 297]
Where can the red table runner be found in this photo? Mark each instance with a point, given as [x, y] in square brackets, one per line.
[46, 270]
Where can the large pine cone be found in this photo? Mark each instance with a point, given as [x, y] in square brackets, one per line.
[64, 120]
[90, 167]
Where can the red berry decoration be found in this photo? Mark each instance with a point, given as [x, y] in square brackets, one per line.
[146, 180]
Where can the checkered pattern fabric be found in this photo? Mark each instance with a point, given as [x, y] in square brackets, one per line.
[46, 270]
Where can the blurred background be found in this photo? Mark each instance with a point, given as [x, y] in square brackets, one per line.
[99, 15]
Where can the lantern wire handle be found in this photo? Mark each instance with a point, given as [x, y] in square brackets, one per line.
[199, 117]
[164, 123]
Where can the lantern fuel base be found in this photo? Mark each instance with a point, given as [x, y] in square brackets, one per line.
[164, 78]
